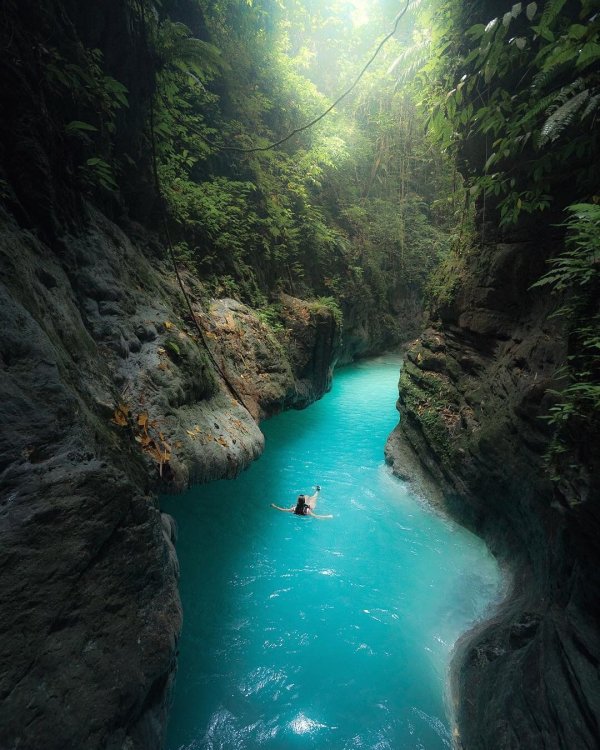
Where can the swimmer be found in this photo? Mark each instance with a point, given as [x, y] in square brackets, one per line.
[304, 505]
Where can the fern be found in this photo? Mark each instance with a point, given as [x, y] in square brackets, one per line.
[414, 5]
[177, 48]
[545, 77]
[562, 117]
[413, 59]
[591, 106]
[534, 109]
[577, 270]
[566, 92]
[551, 11]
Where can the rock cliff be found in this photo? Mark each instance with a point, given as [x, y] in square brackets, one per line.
[473, 393]
[108, 394]
[367, 332]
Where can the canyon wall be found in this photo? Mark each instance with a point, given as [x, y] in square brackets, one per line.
[110, 394]
[474, 391]
[367, 332]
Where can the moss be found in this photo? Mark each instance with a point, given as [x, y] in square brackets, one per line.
[410, 393]
[173, 349]
[322, 304]
[424, 395]
[270, 315]
[433, 383]
[453, 368]
[437, 434]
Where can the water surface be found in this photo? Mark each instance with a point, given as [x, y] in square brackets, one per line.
[332, 634]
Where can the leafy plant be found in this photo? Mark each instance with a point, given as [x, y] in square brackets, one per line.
[271, 316]
[96, 171]
[173, 348]
[96, 98]
[528, 86]
[576, 272]
[330, 304]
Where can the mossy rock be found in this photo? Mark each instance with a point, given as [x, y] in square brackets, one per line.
[173, 349]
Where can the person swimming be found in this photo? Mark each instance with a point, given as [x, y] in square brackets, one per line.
[304, 506]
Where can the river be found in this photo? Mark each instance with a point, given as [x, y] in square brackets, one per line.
[327, 634]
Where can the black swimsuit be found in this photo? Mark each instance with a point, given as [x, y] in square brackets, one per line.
[301, 510]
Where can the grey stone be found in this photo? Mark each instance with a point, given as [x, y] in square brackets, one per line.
[145, 331]
[89, 608]
[528, 677]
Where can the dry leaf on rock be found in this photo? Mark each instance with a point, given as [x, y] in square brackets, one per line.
[120, 415]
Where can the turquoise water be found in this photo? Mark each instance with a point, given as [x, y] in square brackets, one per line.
[336, 634]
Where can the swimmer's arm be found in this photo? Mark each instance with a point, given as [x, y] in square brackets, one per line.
[314, 515]
[285, 510]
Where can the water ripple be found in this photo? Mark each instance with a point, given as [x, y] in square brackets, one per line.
[302, 634]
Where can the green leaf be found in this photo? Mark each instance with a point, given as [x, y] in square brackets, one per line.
[476, 31]
[588, 55]
[577, 31]
[544, 32]
[77, 125]
[111, 84]
[562, 117]
[491, 159]
[551, 10]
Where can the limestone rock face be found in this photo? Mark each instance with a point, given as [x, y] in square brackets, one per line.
[472, 393]
[108, 394]
[272, 372]
[367, 332]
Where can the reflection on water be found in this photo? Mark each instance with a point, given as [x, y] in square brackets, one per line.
[301, 633]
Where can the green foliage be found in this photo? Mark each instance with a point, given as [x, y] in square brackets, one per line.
[579, 265]
[332, 306]
[352, 212]
[528, 85]
[426, 396]
[179, 51]
[185, 65]
[576, 274]
[96, 171]
[448, 276]
[349, 212]
[96, 99]
[271, 317]
[93, 92]
[218, 209]
[322, 216]
[173, 349]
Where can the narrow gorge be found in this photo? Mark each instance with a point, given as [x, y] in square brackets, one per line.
[109, 397]
[192, 239]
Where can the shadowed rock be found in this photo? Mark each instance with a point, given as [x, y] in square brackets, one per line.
[107, 393]
[474, 389]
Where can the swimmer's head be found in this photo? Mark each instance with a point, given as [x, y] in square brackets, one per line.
[301, 503]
